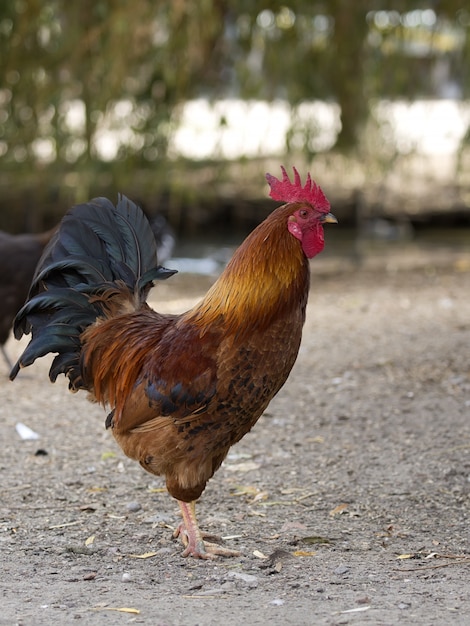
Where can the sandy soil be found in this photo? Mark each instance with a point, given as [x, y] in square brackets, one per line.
[349, 501]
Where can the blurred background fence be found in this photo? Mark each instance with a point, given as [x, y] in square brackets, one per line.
[185, 105]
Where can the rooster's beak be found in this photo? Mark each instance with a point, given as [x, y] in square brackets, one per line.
[328, 218]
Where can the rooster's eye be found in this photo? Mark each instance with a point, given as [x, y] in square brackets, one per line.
[303, 213]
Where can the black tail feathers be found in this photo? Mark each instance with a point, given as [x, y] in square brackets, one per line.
[96, 246]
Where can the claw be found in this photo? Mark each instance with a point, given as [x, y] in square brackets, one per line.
[193, 539]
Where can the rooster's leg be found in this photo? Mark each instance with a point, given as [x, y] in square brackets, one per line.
[192, 538]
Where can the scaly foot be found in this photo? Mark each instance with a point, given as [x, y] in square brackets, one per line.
[193, 539]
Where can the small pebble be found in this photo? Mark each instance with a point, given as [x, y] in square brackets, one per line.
[133, 507]
[363, 600]
[250, 580]
[277, 602]
[342, 569]
[126, 577]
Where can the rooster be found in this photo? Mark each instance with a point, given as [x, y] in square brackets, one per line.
[181, 389]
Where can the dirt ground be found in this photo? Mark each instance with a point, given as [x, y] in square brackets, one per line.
[349, 501]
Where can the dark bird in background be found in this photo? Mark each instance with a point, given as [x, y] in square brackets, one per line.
[19, 255]
[181, 389]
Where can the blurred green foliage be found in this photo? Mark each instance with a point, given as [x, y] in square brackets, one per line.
[71, 73]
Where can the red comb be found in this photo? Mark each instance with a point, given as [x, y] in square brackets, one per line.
[286, 191]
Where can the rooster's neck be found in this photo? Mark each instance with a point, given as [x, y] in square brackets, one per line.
[267, 277]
